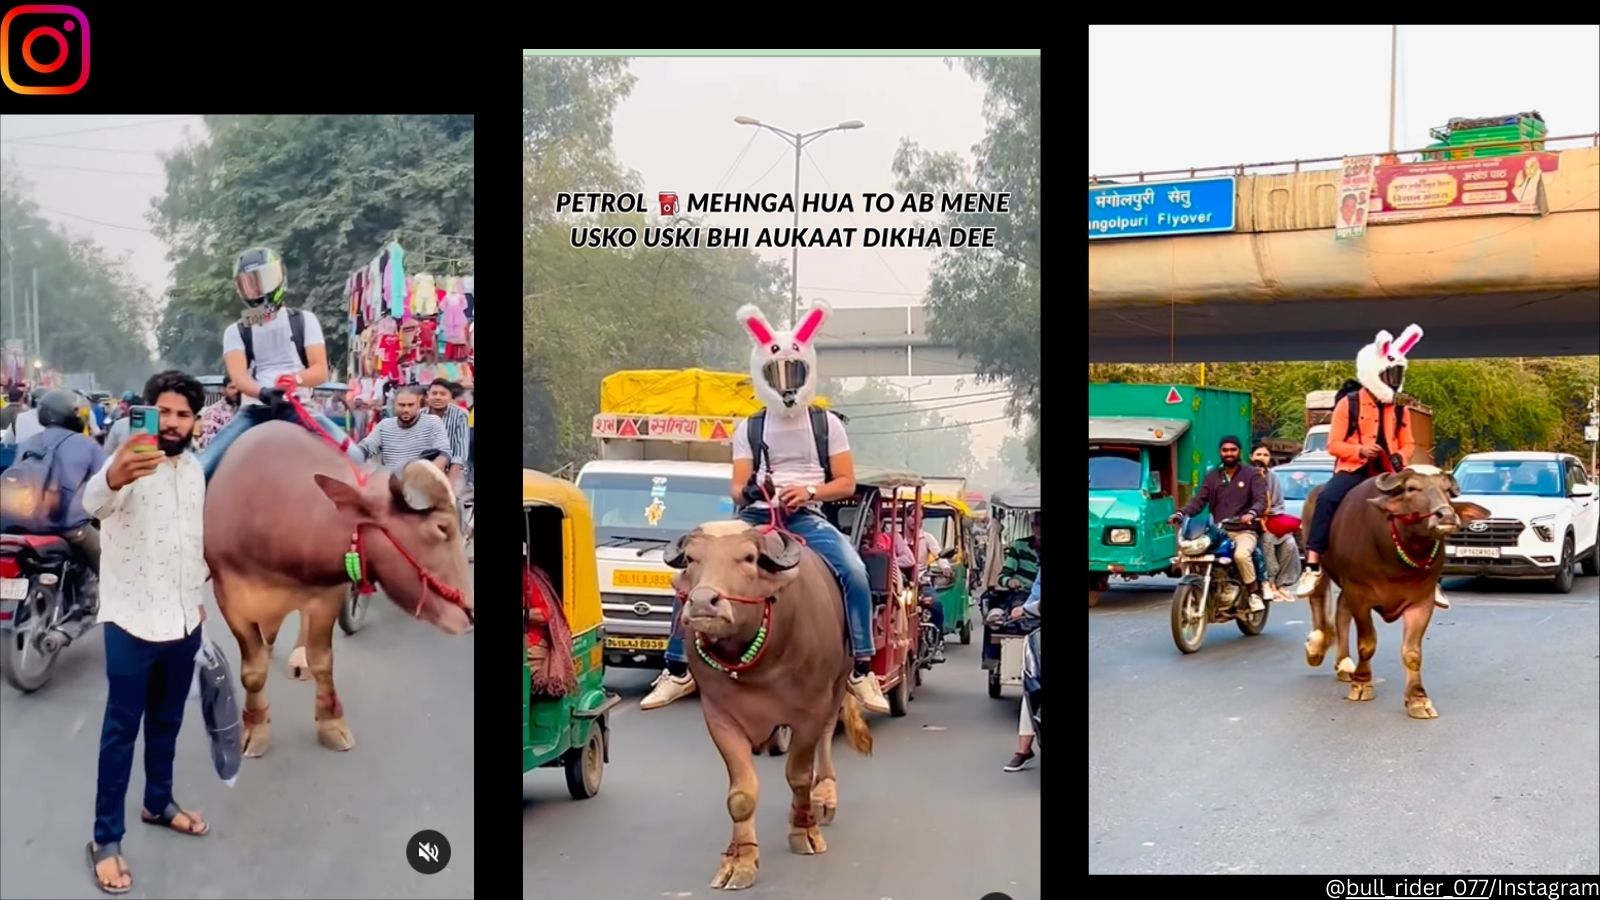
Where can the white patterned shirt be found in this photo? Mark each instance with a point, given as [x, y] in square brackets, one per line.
[152, 549]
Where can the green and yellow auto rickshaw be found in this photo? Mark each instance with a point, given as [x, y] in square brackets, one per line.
[949, 519]
[572, 730]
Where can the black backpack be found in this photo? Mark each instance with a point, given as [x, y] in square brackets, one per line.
[819, 431]
[1350, 393]
[30, 497]
[297, 333]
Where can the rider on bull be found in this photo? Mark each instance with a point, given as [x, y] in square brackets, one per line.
[796, 457]
[1377, 441]
[270, 342]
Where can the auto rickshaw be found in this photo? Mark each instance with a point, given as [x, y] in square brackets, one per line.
[949, 519]
[572, 731]
[896, 620]
[1011, 514]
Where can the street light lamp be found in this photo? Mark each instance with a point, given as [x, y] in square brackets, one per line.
[799, 141]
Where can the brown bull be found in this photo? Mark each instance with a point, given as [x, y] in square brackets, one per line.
[769, 648]
[282, 511]
[1385, 553]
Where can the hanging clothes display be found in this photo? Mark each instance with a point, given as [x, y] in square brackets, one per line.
[408, 328]
[397, 280]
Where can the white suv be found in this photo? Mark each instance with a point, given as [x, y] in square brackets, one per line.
[1544, 518]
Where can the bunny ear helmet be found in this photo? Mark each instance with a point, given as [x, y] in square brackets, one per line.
[756, 324]
[783, 364]
[1408, 339]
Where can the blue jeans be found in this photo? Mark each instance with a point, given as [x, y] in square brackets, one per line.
[1258, 555]
[246, 418]
[836, 550]
[149, 681]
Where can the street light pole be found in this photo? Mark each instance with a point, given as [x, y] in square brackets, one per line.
[799, 141]
[908, 388]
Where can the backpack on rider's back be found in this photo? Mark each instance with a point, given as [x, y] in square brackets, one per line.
[30, 494]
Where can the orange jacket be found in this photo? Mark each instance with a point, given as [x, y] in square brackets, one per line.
[1347, 453]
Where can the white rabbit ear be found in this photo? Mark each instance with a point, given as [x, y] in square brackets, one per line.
[756, 323]
[1382, 342]
[812, 322]
[1408, 339]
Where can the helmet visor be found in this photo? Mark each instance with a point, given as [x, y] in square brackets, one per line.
[259, 281]
[786, 375]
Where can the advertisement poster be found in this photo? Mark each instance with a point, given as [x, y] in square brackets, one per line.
[1504, 185]
[1355, 187]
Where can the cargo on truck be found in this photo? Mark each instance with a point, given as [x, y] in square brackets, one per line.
[1150, 446]
[1319, 415]
[665, 466]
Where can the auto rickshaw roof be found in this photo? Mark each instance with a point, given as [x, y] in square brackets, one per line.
[887, 478]
[537, 487]
[1024, 496]
[956, 503]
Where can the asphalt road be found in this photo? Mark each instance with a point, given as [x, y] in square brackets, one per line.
[1242, 759]
[929, 816]
[302, 821]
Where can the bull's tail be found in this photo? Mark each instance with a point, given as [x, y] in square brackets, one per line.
[855, 725]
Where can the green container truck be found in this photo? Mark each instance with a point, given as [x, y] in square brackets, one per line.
[1150, 446]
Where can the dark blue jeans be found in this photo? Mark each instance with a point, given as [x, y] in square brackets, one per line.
[248, 417]
[836, 550]
[148, 681]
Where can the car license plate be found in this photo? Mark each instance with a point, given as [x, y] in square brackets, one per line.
[635, 643]
[13, 588]
[1467, 552]
[641, 578]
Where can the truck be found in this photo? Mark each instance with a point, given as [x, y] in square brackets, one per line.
[1319, 412]
[1150, 446]
[665, 467]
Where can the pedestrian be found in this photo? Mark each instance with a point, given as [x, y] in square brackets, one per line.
[1282, 553]
[217, 416]
[1019, 760]
[441, 403]
[27, 424]
[150, 499]
[16, 403]
[409, 435]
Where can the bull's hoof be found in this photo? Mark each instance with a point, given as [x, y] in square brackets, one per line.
[1421, 708]
[1360, 690]
[298, 669]
[255, 738]
[1316, 647]
[1342, 675]
[335, 734]
[807, 841]
[738, 871]
[825, 801]
[824, 814]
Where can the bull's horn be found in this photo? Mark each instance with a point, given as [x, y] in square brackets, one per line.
[420, 486]
[1390, 482]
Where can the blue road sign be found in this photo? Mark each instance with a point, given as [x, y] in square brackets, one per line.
[1162, 208]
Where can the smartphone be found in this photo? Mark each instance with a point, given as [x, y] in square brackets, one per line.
[145, 420]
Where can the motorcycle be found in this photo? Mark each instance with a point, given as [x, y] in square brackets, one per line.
[931, 638]
[1210, 591]
[47, 601]
[1030, 681]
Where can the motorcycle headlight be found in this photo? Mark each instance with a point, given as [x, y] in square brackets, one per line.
[1119, 535]
[1544, 527]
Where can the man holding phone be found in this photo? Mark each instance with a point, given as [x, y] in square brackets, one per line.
[150, 500]
[269, 342]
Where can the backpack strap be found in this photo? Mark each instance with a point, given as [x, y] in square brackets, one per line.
[755, 431]
[819, 433]
[1353, 401]
[297, 333]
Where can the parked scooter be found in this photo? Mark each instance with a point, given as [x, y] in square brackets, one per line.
[47, 601]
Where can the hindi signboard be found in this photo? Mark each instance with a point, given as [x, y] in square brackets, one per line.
[1499, 185]
[1162, 208]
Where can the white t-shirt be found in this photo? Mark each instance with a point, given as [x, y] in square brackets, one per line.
[275, 352]
[791, 448]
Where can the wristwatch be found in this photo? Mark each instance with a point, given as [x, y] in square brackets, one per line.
[811, 491]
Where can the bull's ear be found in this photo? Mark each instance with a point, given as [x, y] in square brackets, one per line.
[344, 496]
[675, 555]
[1470, 512]
[779, 551]
[1391, 482]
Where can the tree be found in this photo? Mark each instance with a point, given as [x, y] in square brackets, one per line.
[985, 303]
[885, 432]
[326, 192]
[1009, 467]
[93, 314]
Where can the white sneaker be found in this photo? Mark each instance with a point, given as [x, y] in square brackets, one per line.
[1255, 603]
[1307, 582]
[1439, 599]
[867, 690]
[666, 688]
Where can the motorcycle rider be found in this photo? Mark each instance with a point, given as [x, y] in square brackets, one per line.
[1360, 444]
[76, 458]
[269, 342]
[1024, 753]
[1282, 556]
[1234, 491]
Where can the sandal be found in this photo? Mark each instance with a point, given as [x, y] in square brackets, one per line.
[168, 818]
[112, 850]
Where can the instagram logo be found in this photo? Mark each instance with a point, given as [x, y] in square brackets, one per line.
[36, 49]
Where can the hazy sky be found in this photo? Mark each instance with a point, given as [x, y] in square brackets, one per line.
[1165, 97]
[677, 131]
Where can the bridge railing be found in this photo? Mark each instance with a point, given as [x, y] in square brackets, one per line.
[1387, 157]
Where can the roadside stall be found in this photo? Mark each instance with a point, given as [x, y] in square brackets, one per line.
[411, 318]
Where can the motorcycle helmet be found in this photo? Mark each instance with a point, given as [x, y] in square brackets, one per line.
[258, 276]
[130, 397]
[62, 409]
